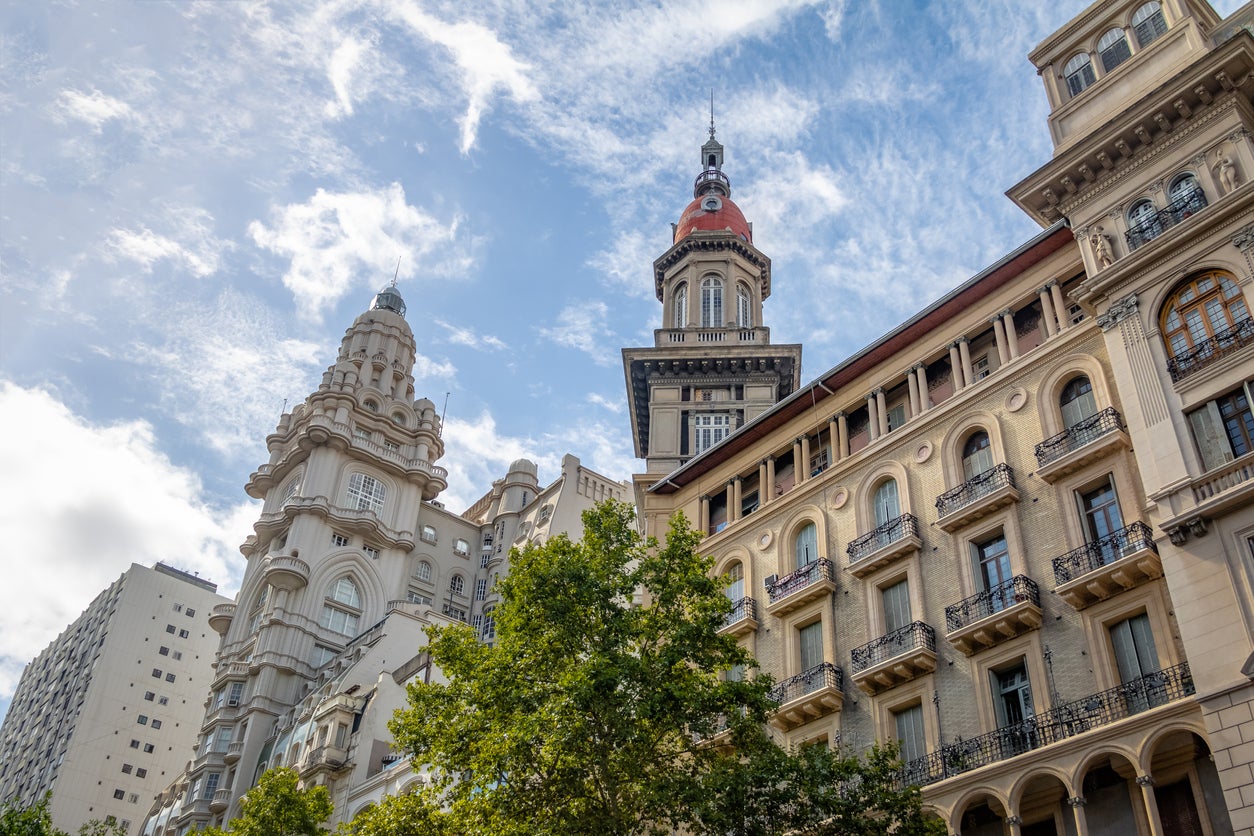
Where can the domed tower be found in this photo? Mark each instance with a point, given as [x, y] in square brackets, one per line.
[342, 495]
[712, 367]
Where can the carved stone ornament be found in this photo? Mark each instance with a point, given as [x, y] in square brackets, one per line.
[1117, 312]
[1244, 239]
[1178, 535]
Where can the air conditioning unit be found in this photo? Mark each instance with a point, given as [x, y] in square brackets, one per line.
[770, 580]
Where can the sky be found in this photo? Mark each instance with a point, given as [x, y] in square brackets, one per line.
[197, 199]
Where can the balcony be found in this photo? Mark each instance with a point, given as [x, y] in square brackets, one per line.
[994, 615]
[324, 759]
[706, 336]
[808, 695]
[233, 751]
[897, 657]
[977, 497]
[1203, 354]
[742, 619]
[812, 581]
[1065, 721]
[1097, 436]
[1164, 219]
[221, 800]
[220, 618]
[286, 572]
[883, 545]
[1105, 567]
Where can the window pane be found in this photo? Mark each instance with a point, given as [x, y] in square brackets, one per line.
[807, 545]
[811, 639]
[887, 503]
[910, 734]
[896, 600]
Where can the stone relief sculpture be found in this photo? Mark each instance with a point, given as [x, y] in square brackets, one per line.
[1103, 256]
[1226, 171]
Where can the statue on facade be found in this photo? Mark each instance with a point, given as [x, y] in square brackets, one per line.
[1225, 171]
[1103, 256]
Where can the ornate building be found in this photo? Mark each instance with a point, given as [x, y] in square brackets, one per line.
[352, 557]
[1016, 534]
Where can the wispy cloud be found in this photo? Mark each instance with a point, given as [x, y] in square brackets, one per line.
[190, 242]
[584, 327]
[471, 339]
[614, 404]
[93, 108]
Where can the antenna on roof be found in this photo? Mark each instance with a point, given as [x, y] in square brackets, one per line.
[711, 113]
[397, 274]
[444, 411]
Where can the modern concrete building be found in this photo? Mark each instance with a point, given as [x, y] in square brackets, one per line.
[1016, 534]
[104, 717]
[352, 557]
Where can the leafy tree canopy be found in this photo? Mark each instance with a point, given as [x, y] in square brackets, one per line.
[36, 820]
[278, 806]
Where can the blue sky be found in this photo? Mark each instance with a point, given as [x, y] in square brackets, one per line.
[198, 198]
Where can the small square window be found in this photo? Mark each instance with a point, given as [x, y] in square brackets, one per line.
[169, 677]
[191, 613]
[370, 552]
[156, 724]
[178, 654]
[163, 700]
[178, 607]
[169, 628]
[141, 773]
[164, 651]
[150, 696]
[339, 540]
[142, 719]
[183, 634]
[119, 794]
[126, 769]
[134, 799]
[148, 748]
[134, 744]
[156, 673]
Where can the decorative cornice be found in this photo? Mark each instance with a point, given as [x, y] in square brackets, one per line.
[1118, 311]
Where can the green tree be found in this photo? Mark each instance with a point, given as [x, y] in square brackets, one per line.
[35, 820]
[278, 806]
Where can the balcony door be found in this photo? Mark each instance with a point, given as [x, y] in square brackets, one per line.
[887, 502]
[1012, 701]
[1077, 402]
[1136, 657]
[1099, 508]
[896, 602]
[807, 546]
[993, 572]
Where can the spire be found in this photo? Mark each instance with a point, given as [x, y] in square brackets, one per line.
[712, 178]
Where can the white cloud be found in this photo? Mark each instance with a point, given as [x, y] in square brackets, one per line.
[90, 500]
[94, 108]
[344, 61]
[191, 242]
[625, 265]
[614, 404]
[484, 62]
[470, 339]
[340, 240]
[584, 327]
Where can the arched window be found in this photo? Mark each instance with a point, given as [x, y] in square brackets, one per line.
[457, 585]
[1077, 401]
[1148, 23]
[365, 493]
[423, 571]
[254, 616]
[744, 307]
[1079, 73]
[341, 610]
[807, 545]
[736, 582]
[977, 455]
[712, 303]
[1113, 47]
[681, 305]
[1183, 185]
[1203, 308]
[1186, 196]
[290, 489]
[887, 502]
[1143, 223]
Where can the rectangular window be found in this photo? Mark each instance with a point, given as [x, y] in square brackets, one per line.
[134, 744]
[810, 639]
[150, 696]
[418, 598]
[178, 607]
[819, 462]
[365, 493]
[183, 634]
[476, 621]
[460, 547]
[896, 602]
[237, 691]
[428, 533]
[178, 654]
[126, 768]
[156, 724]
[321, 655]
[911, 736]
[481, 589]
[141, 773]
[339, 540]
[339, 621]
[1223, 429]
[454, 612]
[896, 417]
[170, 628]
[1135, 653]
[392, 445]
[119, 794]
[191, 613]
[362, 434]
[223, 740]
[164, 651]
[142, 719]
[981, 368]
[148, 748]
[1012, 695]
[156, 673]
[710, 429]
[992, 565]
[169, 677]
[484, 559]
[134, 798]
[370, 552]
[1099, 509]
[163, 700]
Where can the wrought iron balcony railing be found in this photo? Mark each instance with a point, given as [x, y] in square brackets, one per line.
[1093, 556]
[1077, 435]
[915, 636]
[820, 570]
[1000, 476]
[907, 525]
[744, 608]
[1064, 721]
[1006, 594]
[823, 675]
[711, 175]
[1165, 218]
[1208, 351]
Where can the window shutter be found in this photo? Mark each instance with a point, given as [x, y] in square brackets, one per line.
[1212, 442]
[811, 645]
[910, 734]
[896, 599]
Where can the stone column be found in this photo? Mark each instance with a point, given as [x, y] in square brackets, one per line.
[873, 418]
[705, 514]
[737, 494]
[1060, 306]
[999, 333]
[833, 438]
[762, 483]
[1047, 313]
[731, 501]
[804, 441]
[964, 351]
[925, 399]
[842, 433]
[955, 368]
[912, 384]
[1076, 803]
[770, 477]
[881, 407]
[1146, 783]
[1012, 336]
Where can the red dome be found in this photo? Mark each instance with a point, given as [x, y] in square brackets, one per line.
[726, 216]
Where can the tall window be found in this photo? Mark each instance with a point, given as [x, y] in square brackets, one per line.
[736, 582]
[910, 734]
[1148, 23]
[710, 430]
[365, 493]
[1100, 507]
[977, 455]
[1077, 401]
[341, 610]
[992, 570]
[806, 545]
[744, 309]
[896, 603]
[1012, 695]
[887, 503]
[423, 571]
[1136, 657]
[1203, 308]
[1079, 73]
[457, 585]
[1183, 186]
[1113, 47]
[712, 303]
[681, 305]
[1223, 428]
[810, 638]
